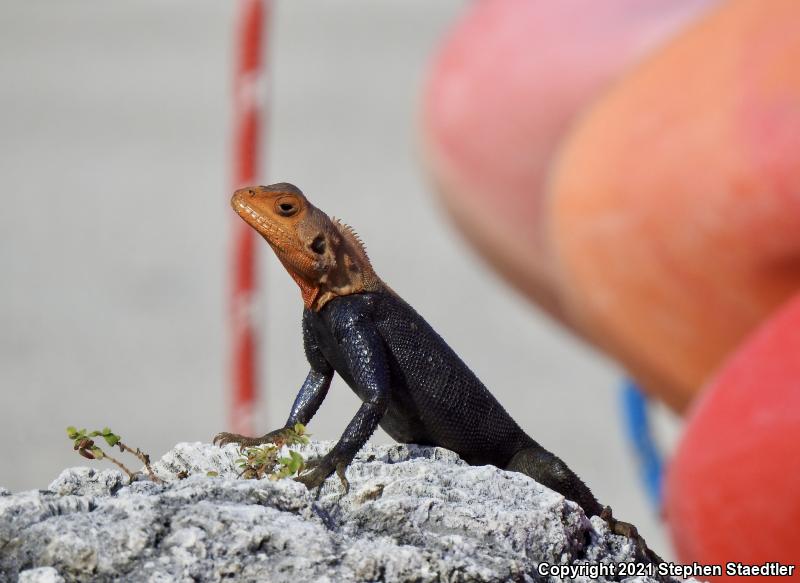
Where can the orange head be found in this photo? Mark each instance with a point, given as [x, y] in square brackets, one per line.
[324, 256]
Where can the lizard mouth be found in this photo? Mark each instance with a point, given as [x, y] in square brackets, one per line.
[283, 241]
[280, 239]
[272, 232]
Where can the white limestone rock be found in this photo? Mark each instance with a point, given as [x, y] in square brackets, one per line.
[412, 514]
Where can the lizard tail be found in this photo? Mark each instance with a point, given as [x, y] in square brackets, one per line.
[549, 470]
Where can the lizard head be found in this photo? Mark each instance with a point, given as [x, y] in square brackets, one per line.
[324, 256]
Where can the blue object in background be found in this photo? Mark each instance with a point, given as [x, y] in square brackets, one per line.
[639, 431]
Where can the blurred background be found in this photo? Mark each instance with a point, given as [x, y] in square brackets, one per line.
[115, 230]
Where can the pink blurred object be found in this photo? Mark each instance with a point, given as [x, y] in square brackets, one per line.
[733, 488]
[507, 84]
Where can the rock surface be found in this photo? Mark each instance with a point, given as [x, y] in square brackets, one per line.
[412, 514]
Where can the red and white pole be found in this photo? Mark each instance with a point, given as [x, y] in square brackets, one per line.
[247, 127]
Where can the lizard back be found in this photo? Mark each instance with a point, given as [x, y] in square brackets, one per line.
[435, 398]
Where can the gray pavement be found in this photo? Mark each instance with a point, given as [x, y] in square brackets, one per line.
[114, 231]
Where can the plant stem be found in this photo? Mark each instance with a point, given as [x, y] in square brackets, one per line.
[120, 465]
[144, 458]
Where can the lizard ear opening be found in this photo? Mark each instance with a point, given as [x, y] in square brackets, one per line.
[318, 245]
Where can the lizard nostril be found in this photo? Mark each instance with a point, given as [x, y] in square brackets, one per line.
[251, 192]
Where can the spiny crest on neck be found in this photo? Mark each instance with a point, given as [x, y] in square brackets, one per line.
[349, 234]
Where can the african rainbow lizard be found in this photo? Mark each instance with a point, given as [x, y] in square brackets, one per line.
[409, 380]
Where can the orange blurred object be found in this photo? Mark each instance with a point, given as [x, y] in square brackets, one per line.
[503, 91]
[675, 204]
[733, 488]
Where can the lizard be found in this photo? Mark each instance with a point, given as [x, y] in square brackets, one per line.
[409, 380]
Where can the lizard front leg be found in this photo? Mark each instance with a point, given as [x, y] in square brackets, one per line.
[364, 353]
[308, 400]
[358, 431]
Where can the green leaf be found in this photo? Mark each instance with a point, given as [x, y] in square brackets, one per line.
[212, 474]
[296, 463]
[98, 453]
[288, 466]
[76, 433]
[94, 433]
[111, 439]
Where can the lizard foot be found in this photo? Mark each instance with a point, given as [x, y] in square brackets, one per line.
[319, 470]
[277, 437]
[628, 530]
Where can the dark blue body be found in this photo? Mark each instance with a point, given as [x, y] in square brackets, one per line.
[412, 383]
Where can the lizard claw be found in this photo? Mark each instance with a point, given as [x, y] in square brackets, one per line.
[617, 526]
[224, 438]
[340, 469]
[319, 470]
[627, 530]
[316, 472]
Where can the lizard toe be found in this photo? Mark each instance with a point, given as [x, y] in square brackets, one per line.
[340, 469]
[316, 472]
[224, 438]
[629, 531]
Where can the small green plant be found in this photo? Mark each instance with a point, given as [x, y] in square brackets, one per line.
[86, 446]
[264, 461]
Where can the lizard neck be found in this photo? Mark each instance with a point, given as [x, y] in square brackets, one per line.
[352, 273]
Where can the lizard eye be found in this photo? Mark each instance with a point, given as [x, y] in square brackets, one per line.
[287, 206]
[318, 245]
[286, 209]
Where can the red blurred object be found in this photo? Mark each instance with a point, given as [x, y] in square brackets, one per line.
[733, 489]
[247, 117]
